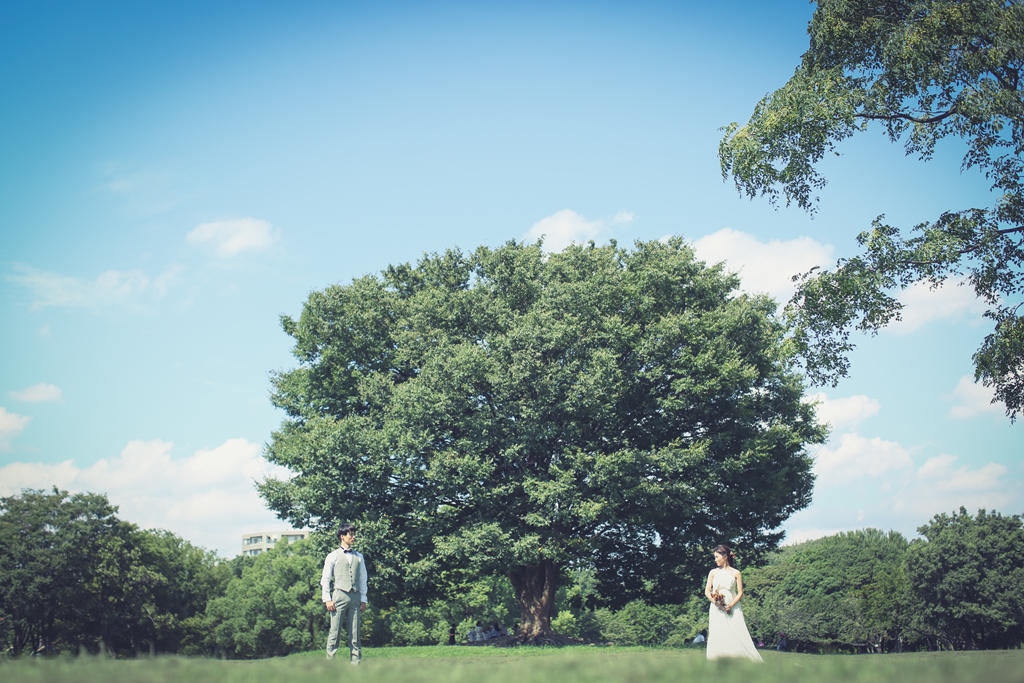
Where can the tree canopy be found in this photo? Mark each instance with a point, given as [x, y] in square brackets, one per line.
[273, 608]
[73, 575]
[924, 70]
[842, 591]
[510, 412]
[961, 586]
[969, 577]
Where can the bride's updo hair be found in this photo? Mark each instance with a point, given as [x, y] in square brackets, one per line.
[727, 553]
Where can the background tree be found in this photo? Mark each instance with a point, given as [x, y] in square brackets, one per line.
[70, 572]
[111, 589]
[73, 575]
[488, 599]
[273, 608]
[968, 576]
[190, 578]
[29, 561]
[508, 412]
[638, 623]
[924, 70]
[842, 591]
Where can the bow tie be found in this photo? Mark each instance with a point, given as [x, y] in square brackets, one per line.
[346, 550]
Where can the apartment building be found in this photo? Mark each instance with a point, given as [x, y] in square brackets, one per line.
[256, 542]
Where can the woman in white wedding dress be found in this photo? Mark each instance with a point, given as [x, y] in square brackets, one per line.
[727, 631]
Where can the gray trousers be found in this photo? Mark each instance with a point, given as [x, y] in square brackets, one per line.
[346, 612]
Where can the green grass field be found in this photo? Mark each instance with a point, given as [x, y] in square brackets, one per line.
[522, 665]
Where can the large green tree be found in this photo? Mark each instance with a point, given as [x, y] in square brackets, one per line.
[842, 591]
[511, 412]
[968, 577]
[73, 575]
[923, 70]
[189, 578]
[70, 573]
[273, 608]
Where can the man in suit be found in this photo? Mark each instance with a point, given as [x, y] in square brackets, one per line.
[347, 569]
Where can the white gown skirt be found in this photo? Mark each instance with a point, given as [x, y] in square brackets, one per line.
[728, 635]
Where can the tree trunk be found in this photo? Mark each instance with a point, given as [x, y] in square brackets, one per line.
[535, 587]
[19, 640]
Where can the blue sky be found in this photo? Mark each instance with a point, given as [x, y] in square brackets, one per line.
[175, 176]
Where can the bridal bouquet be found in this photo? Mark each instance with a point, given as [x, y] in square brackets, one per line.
[719, 600]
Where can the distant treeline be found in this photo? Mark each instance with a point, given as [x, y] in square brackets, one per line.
[75, 578]
[959, 587]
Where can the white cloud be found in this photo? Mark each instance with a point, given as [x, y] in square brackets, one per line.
[763, 266]
[35, 475]
[38, 393]
[870, 482]
[769, 267]
[973, 399]
[11, 424]
[940, 486]
[113, 288]
[795, 536]
[856, 456]
[565, 227]
[939, 471]
[232, 237]
[207, 498]
[954, 302]
[843, 413]
[165, 280]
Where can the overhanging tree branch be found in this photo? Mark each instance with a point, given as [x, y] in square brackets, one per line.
[907, 117]
[956, 68]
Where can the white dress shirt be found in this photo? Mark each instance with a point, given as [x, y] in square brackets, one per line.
[327, 576]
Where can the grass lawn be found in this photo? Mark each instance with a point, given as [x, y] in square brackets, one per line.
[531, 665]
